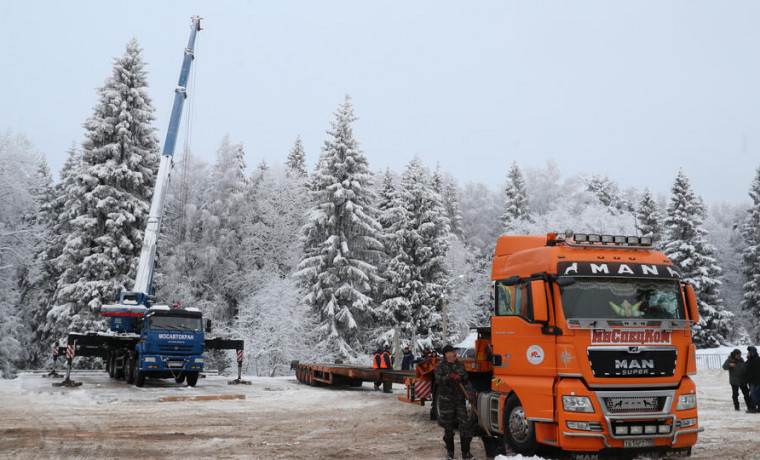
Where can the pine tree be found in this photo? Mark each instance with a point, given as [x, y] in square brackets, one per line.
[341, 249]
[417, 273]
[750, 231]
[648, 217]
[686, 246]
[221, 222]
[516, 203]
[297, 158]
[111, 194]
[453, 211]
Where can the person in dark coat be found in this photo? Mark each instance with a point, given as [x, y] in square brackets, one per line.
[737, 377]
[753, 377]
[408, 360]
[450, 379]
[387, 363]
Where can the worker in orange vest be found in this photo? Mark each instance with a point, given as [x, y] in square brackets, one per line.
[377, 361]
[387, 363]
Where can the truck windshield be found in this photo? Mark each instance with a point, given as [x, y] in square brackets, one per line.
[622, 298]
[175, 323]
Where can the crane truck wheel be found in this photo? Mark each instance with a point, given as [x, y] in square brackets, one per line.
[180, 378]
[192, 379]
[519, 431]
[139, 376]
[110, 365]
[129, 372]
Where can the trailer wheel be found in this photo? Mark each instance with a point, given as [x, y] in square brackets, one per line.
[192, 379]
[519, 431]
[129, 370]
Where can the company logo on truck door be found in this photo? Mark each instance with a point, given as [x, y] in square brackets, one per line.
[535, 354]
[638, 337]
[175, 336]
[618, 269]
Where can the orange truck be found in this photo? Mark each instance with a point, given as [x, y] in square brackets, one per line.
[590, 347]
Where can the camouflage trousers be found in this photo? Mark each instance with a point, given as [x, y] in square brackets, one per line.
[452, 414]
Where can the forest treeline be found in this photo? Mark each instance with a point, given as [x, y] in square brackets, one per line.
[320, 263]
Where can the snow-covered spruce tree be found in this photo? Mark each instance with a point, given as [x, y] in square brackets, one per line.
[417, 274]
[751, 259]
[220, 223]
[453, 210]
[516, 202]
[606, 191]
[341, 248]
[648, 217]
[112, 194]
[297, 158]
[686, 246]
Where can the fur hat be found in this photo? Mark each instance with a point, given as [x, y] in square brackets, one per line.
[447, 349]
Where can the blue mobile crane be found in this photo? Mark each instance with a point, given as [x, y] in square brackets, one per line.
[147, 339]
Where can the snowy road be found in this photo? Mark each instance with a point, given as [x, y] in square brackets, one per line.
[279, 418]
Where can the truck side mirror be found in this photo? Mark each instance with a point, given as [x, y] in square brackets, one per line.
[540, 306]
[208, 324]
[691, 303]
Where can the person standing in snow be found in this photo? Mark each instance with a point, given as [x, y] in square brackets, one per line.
[450, 379]
[737, 370]
[753, 378]
[387, 363]
[406, 363]
[377, 361]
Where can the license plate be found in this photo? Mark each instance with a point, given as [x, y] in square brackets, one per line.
[632, 443]
[174, 364]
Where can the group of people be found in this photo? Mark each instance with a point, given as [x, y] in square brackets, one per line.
[744, 376]
[454, 390]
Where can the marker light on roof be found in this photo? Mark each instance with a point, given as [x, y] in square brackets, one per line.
[633, 240]
[646, 240]
[606, 238]
[592, 238]
[619, 239]
[581, 238]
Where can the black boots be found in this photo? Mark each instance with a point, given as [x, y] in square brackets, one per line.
[449, 440]
[466, 455]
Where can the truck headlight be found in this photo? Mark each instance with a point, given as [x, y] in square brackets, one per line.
[150, 359]
[577, 404]
[198, 360]
[687, 401]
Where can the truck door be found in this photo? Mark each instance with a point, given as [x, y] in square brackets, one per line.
[524, 345]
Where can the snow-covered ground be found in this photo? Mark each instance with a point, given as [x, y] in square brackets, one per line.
[279, 418]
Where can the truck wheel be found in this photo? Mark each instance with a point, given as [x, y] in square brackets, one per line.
[111, 364]
[518, 430]
[180, 378]
[129, 371]
[139, 376]
[192, 379]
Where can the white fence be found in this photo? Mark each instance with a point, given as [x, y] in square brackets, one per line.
[713, 361]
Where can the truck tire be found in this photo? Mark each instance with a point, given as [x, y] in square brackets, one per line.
[192, 379]
[111, 364]
[180, 378]
[139, 376]
[518, 430]
[129, 370]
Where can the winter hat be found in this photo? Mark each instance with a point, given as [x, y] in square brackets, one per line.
[752, 350]
[736, 352]
[447, 349]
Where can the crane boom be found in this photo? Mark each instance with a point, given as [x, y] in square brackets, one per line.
[144, 277]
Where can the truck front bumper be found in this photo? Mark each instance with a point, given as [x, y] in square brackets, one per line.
[169, 363]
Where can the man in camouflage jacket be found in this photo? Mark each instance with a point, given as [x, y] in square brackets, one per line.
[450, 378]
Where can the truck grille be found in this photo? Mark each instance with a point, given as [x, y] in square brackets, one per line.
[634, 404]
[169, 349]
[632, 361]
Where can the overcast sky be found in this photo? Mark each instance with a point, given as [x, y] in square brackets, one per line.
[631, 89]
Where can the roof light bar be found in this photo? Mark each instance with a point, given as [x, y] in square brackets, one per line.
[621, 241]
